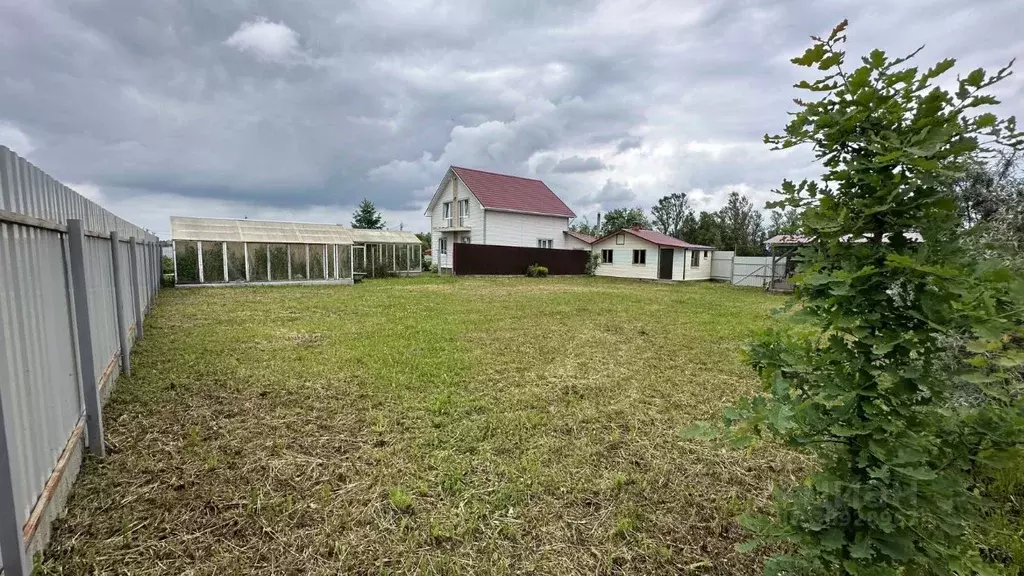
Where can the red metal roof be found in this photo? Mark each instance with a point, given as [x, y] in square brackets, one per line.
[512, 193]
[581, 236]
[659, 239]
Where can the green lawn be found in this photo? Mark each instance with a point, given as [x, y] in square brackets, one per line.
[427, 426]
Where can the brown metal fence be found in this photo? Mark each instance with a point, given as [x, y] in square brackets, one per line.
[513, 260]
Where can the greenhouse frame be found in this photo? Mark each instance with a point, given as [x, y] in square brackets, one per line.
[216, 251]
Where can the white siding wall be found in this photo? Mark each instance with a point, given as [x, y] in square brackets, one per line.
[475, 221]
[622, 265]
[513, 229]
[572, 243]
[702, 272]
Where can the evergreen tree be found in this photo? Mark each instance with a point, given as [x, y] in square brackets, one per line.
[366, 216]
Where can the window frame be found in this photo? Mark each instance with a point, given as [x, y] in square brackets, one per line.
[695, 259]
[639, 257]
[446, 210]
[550, 243]
[464, 208]
[620, 239]
[610, 253]
[442, 246]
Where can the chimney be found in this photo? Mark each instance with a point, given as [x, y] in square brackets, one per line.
[598, 227]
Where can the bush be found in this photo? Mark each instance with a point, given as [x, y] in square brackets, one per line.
[537, 271]
[382, 270]
[593, 261]
[167, 280]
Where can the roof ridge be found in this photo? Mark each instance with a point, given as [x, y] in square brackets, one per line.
[498, 174]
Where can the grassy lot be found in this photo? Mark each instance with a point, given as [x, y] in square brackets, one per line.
[430, 426]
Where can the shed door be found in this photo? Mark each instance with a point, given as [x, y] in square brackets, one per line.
[665, 264]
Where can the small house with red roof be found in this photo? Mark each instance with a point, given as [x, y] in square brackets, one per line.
[478, 207]
[651, 255]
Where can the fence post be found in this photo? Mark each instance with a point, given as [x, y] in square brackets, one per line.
[122, 323]
[87, 368]
[732, 269]
[199, 252]
[11, 545]
[133, 262]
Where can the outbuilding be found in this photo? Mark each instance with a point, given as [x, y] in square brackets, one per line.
[651, 255]
[223, 251]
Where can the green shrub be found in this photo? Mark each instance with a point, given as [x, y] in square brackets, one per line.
[537, 271]
[593, 261]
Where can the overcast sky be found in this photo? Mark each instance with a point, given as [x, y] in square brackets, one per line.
[298, 109]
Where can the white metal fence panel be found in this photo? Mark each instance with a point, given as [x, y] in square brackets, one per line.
[38, 373]
[721, 265]
[103, 314]
[41, 385]
[751, 270]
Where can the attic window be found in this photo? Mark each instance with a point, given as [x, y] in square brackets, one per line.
[620, 239]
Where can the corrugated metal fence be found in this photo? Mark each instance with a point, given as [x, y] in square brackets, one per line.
[47, 233]
[470, 259]
[745, 270]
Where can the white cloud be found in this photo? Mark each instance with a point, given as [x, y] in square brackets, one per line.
[266, 40]
[12, 137]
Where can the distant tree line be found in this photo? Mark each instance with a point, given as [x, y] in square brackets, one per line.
[737, 226]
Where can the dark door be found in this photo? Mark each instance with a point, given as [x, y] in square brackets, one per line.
[665, 264]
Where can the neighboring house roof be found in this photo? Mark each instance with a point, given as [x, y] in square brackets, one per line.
[788, 240]
[512, 193]
[798, 240]
[657, 238]
[581, 236]
[231, 230]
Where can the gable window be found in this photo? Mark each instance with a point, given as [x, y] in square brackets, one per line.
[694, 259]
[607, 256]
[620, 239]
[463, 208]
[545, 243]
[442, 246]
[640, 257]
[446, 211]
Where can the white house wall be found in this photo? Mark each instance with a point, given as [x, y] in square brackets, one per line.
[622, 260]
[573, 243]
[514, 229]
[702, 272]
[475, 221]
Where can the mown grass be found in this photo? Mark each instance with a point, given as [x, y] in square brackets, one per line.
[427, 426]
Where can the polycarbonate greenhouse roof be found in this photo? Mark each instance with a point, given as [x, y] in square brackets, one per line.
[265, 231]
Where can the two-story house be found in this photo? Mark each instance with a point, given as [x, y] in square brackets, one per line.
[477, 207]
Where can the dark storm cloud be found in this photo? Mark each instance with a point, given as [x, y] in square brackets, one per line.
[274, 106]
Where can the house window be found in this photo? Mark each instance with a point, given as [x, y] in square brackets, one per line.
[639, 256]
[545, 243]
[442, 246]
[446, 210]
[694, 259]
[620, 239]
[607, 256]
[705, 254]
[463, 208]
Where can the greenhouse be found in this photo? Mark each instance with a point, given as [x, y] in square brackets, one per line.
[223, 251]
